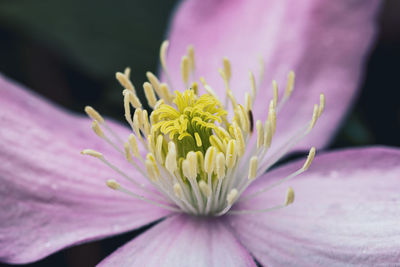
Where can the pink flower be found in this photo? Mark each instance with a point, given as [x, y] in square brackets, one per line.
[347, 203]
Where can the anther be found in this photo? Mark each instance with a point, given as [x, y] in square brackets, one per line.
[93, 114]
[134, 146]
[127, 72]
[289, 196]
[260, 133]
[310, 158]
[252, 85]
[232, 195]
[178, 191]
[96, 128]
[290, 84]
[92, 153]
[321, 104]
[125, 82]
[170, 160]
[230, 154]
[204, 188]
[275, 92]
[149, 93]
[227, 69]
[185, 70]
[314, 117]
[190, 53]
[220, 165]
[253, 168]
[209, 159]
[154, 82]
[128, 155]
[163, 54]
[113, 184]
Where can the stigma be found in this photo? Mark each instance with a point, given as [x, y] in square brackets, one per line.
[199, 157]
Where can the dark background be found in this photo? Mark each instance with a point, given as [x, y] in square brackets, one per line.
[68, 51]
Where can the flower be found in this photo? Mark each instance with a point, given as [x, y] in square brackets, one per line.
[343, 214]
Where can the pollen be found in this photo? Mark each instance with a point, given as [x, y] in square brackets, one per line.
[198, 157]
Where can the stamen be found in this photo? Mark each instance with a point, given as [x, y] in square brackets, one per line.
[227, 68]
[289, 196]
[275, 92]
[252, 85]
[204, 188]
[163, 60]
[185, 69]
[190, 53]
[154, 82]
[127, 72]
[93, 114]
[253, 168]
[91, 152]
[232, 196]
[321, 104]
[149, 93]
[125, 82]
[260, 134]
[134, 146]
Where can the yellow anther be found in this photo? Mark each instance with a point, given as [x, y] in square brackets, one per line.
[150, 144]
[260, 133]
[178, 191]
[204, 188]
[150, 95]
[170, 160]
[314, 117]
[321, 104]
[165, 92]
[231, 154]
[198, 139]
[190, 53]
[145, 122]
[93, 153]
[185, 69]
[240, 141]
[275, 92]
[151, 167]
[252, 85]
[159, 148]
[310, 158]
[125, 82]
[128, 155]
[220, 165]
[253, 168]
[132, 98]
[267, 134]
[127, 72]
[232, 98]
[154, 82]
[290, 84]
[247, 101]
[93, 114]
[200, 161]
[127, 108]
[113, 184]
[134, 146]
[272, 116]
[215, 141]
[209, 160]
[195, 88]
[232, 195]
[210, 91]
[191, 158]
[227, 69]
[96, 128]
[163, 54]
[289, 196]
[203, 81]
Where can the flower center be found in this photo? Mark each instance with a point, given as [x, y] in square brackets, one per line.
[199, 160]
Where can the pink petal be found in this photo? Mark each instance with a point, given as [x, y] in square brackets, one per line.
[51, 196]
[324, 42]
[346, 212]
[183, 241]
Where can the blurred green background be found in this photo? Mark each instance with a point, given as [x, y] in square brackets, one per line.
[68, 51]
